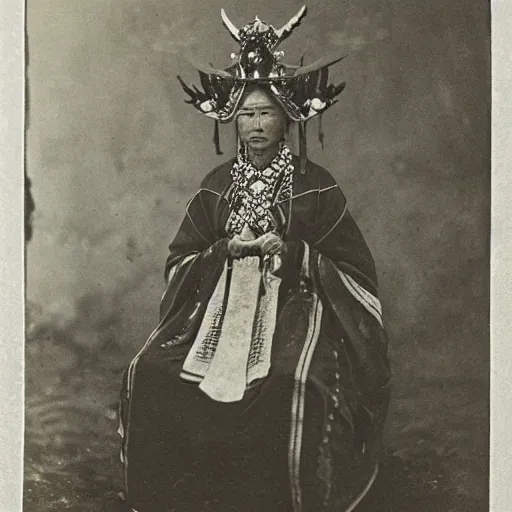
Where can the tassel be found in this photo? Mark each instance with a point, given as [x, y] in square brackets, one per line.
[216, 138]
[303, 149]
[320, 131]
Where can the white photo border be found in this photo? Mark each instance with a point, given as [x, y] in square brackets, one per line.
[12, 89]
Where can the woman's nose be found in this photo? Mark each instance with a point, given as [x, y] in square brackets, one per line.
[257, 121]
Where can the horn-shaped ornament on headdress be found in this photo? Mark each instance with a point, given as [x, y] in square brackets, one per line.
[303, 91]
[287, 29]
[229, 25]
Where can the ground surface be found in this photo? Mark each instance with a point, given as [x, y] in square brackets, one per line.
[435, 463]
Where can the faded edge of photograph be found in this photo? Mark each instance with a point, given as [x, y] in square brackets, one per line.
[113, 156]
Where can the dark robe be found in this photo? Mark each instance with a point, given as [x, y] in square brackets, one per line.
[306, 438]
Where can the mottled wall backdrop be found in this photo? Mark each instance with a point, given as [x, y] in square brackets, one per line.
[114, 154]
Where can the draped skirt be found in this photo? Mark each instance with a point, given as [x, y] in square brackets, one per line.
[307, 438]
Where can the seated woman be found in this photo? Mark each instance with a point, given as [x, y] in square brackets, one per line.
[265, 384]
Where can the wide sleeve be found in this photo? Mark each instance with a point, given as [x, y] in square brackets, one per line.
[196, 255]
[346, 279]
[195, 233]
[335, 235]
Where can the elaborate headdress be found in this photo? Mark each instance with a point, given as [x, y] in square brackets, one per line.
[302, 91]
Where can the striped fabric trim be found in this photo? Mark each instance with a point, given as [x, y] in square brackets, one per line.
[364, 297]
[365, 490]
[313, 191]
[191, 377]
[120, 431]
[328, 188]
[305, 260]
[210, 190]
[205, 190]
[174, 269]
[298, 401]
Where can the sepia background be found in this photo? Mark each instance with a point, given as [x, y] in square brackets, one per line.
[114, 153]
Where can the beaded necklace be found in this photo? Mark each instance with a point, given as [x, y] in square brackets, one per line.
[256, 191]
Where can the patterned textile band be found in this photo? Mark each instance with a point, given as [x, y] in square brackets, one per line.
[364, 297]
[256, 191]
[234, 342]
[299, 389]
[298, 403]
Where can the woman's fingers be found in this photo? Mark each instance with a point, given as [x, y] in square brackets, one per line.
[271, 244]
[235, 247]
[268, 244]
[271, 248]
[238, 248]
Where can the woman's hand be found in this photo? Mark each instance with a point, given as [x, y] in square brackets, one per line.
[266, 246]
[270, 245]
[238, 248]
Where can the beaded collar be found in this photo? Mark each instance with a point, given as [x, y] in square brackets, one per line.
[256, 191]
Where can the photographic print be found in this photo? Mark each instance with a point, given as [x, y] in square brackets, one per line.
[257, 256]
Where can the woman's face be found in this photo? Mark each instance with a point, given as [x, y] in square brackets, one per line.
[261, 122]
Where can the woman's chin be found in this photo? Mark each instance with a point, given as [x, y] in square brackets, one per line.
[261, 145]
